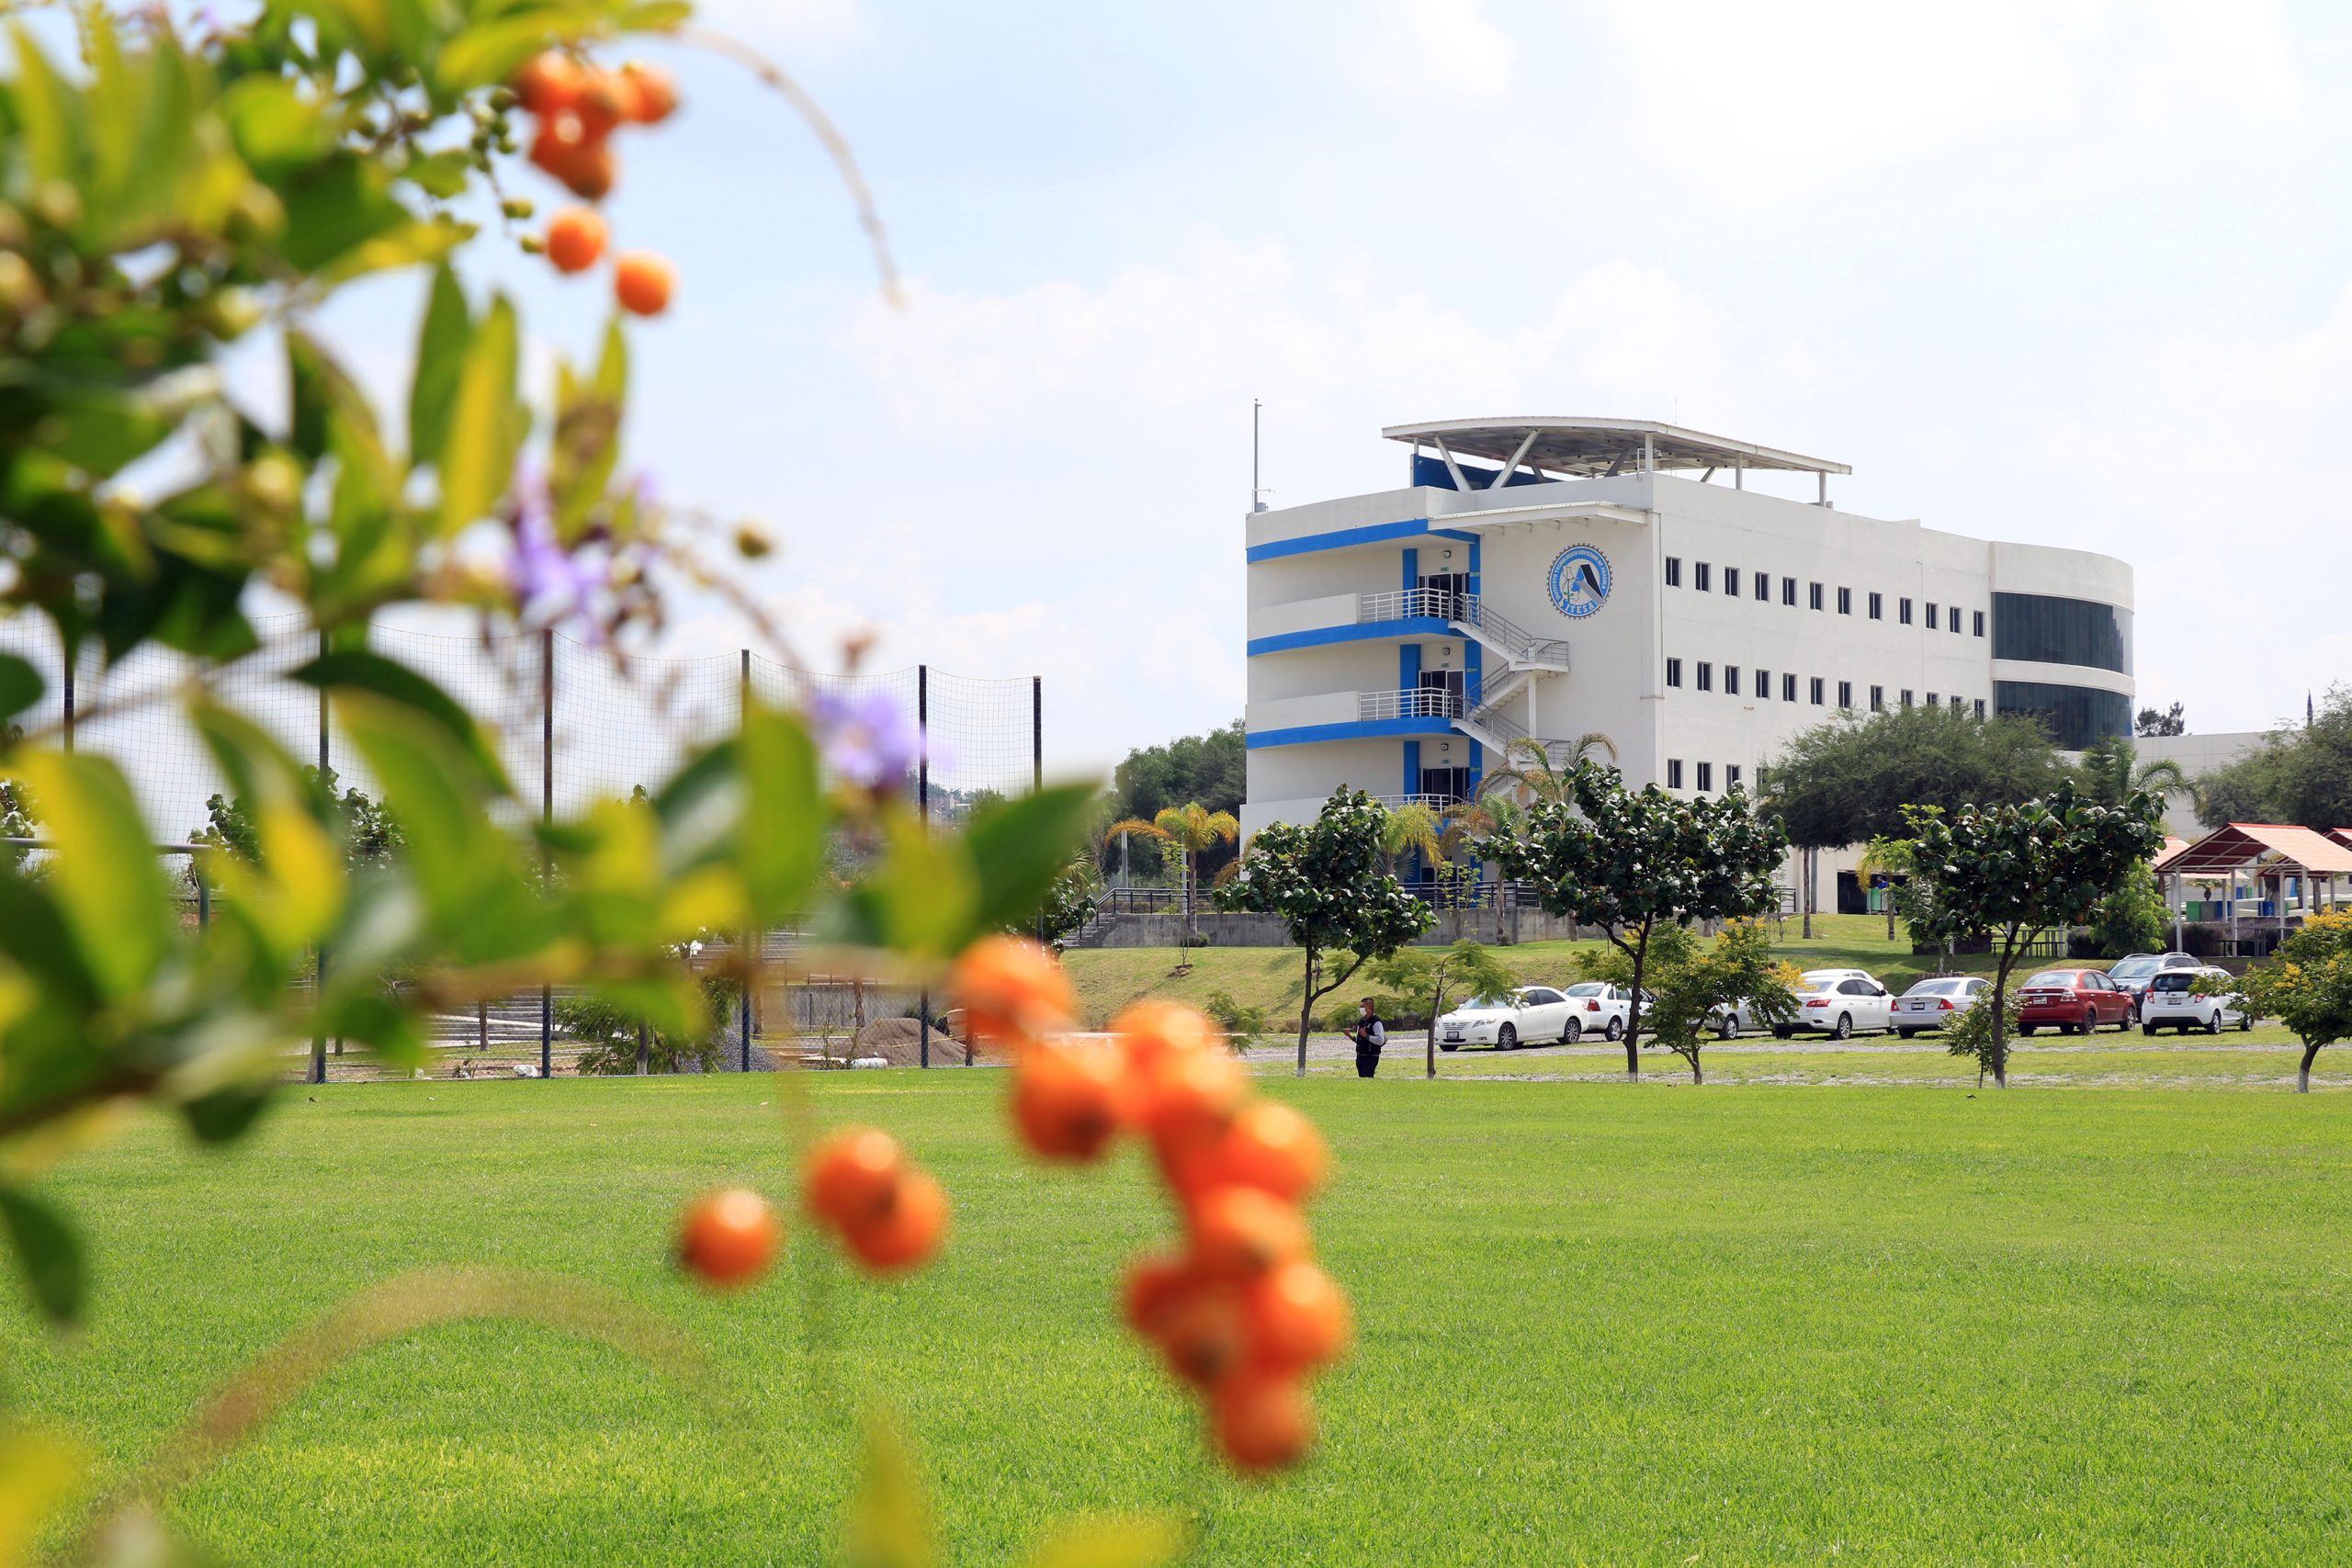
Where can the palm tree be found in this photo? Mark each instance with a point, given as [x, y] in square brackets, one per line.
[1192, 828]
[1540, 774]
[1889, 858]
[1413, 827]
[2111, 772]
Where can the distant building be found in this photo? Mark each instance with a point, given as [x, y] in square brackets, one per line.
[1548, 577]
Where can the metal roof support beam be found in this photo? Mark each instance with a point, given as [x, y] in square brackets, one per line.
[1503, 479]
[1615, 463]
[1451, 466]
[1707, 478]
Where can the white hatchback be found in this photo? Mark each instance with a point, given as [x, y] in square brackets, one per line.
[1931, 1004]
[2170, 1004]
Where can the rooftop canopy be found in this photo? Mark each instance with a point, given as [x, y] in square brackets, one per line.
[2237, 845]
[1584, 447]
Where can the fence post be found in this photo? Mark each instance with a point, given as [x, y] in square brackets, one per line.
[71, 650]
[749, 965]
[922, 798]
[323, 785]
[1036, 775]
[547, 816]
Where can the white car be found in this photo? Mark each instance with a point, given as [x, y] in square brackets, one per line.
[1535, 1013]
[1729, 1021]
[1931, 1004]
[2170, 1004]
[1596, 1008]
[1839, 1008]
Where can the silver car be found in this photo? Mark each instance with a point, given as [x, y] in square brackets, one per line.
[1931, 1004]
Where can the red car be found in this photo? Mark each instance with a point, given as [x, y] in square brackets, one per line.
[2073, 1001]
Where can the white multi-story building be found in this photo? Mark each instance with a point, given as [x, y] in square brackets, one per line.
[1549, 578]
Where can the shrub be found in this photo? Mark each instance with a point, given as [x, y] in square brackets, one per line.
[610, 1034]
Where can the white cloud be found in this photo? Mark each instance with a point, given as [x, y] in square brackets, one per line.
[1766, 100]
[1419, 49]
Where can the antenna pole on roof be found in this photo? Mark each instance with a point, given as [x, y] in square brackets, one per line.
[1257, 491]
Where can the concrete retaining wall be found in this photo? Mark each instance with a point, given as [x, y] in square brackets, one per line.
[1493, 927]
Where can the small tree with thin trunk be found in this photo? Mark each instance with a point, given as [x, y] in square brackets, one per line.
[1633, 861]
[1326, 879]
[2003, 872]
[2307, 985]
[1437, 975]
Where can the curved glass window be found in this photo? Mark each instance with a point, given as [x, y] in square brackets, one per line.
[2074, 716]
[2048, 630]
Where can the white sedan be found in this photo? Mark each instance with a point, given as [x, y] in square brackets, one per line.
[1839, 1008]
[1537, 1013]
[1931, 1004]
[1596, 1008]
[2170, 1004]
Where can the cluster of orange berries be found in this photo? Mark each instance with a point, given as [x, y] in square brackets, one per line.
[578, 107]
[889, 1214]
[1242, 1312]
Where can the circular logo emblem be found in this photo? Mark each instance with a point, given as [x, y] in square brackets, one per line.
[1580, 580]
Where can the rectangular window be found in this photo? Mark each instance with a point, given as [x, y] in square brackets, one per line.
[1814, 691]
[1702, 577]
[1674, 672]
[1789, 592]
[1763, 683]
[1906, 696]
[1980, 622]
[1674, 772]
[1958, 703]
[1763, 587]
[1931, 615]
[1731, 775]
[1706, 777]
[1878, 606]
[1980, 707]
[1845, 601]
[1902, 611]
[1845, 694]
[1731, 582]
[1877, 699]
[1813, 596]
[1954, 613]
[1706, 676]
[1731, 680]
[1788, 688]
[1673, 571]
[1931, 699]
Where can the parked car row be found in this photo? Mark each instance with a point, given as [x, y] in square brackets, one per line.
[2152, 990]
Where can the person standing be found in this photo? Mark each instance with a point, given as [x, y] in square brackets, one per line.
[1369, 1034]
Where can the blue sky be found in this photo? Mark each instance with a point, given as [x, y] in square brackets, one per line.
[2072, 271]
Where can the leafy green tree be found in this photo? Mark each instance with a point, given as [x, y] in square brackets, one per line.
[2301, 773]
[1210, 769]
[1633, 861]
[1850, 779]
[1889, 858]
[1071, 903]
[2160, 721]
[620, 1041]
[2111, 772]
[1432, 976]
[1737, 966]
[1193, 829]
[1982, 1034]
[1326, 879]
[2006, 872]
[1534, 771]
[2131, 918]
[370, 835]
[2307, 985]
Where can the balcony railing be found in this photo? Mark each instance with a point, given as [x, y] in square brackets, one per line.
[1435, 802]
[1409, 603]
[1409, 704]
[1470, 610]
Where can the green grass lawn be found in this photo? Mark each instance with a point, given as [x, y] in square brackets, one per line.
[1600, 1325]
[1109, 978]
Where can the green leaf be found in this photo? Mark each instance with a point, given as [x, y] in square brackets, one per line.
[484, 431]
[334, 208]
[1143, 1540]
[490, 52]
[889, 1523]
[359, 669]
[225, 1114]
[784, 821]
[275, 129]
[20, 686]
[1017, 849]
[47, 113]
[442, 175]
[919, 900]
[407, 244]
[117, 898]
[440, 357]
[49, 1253]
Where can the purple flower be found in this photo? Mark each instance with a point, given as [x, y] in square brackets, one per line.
[870, 741]
[551, 584]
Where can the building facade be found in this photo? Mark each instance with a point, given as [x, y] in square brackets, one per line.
[1549, 578]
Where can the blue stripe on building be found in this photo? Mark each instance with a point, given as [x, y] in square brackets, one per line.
[1362, 729]
[1369, 631]
[1346, 538]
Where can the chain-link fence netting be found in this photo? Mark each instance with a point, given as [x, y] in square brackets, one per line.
[574, 724]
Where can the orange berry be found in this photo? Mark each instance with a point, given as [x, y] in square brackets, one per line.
[1154, 1287]
[729, 1238]
[1153, 1031]
[1298, 1318]
[548, 82]
[1239, 1231]
[854, 1177]
[602, 103]
[575, 238]
[1273, 1148]
[641, 282]
[648, 93]
[1011, 989]
[1070, 1102]
[1190, 1100]
[1263, 1422]
[1203, 1333]
[905, 1234]
[584, 164]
